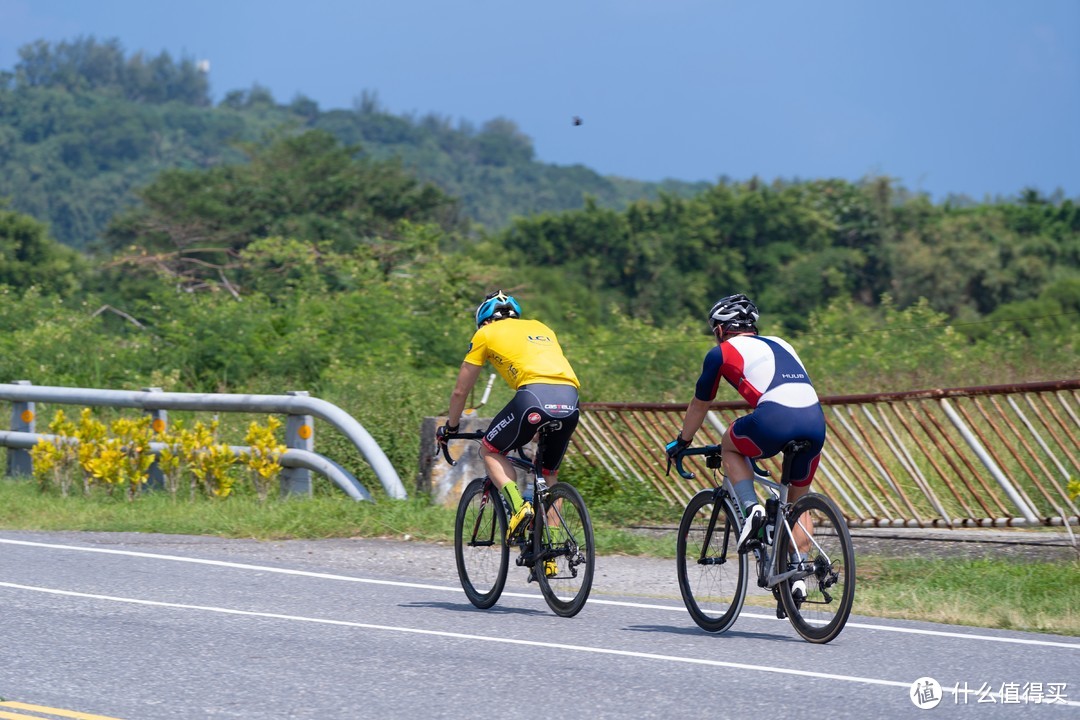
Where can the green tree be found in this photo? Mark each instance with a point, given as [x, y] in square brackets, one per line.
[86, 65]
[29, 257]
[193, 225]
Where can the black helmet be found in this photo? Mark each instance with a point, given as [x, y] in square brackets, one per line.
[734, 313]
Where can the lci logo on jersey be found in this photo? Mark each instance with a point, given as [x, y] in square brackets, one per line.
[534, 418]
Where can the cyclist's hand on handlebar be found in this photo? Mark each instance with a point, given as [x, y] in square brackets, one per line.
[676, 446]
[674, 450]
[442, 431]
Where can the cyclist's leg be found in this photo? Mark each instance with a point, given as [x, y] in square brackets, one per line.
[508, 430]
[804, 424]
[502, 475]
[556, 402]
[750, 436]
[497, 466]
[566, 528]
[736, 451]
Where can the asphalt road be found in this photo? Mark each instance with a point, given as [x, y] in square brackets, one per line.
[148, 627]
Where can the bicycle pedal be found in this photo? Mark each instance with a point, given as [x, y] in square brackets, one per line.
[780, 614]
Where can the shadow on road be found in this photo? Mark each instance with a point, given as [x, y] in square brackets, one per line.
[694, 630]
[469, 607]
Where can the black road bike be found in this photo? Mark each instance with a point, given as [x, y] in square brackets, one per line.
[556, 545]
[713, 575]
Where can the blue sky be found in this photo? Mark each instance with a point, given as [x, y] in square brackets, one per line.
[980, 98]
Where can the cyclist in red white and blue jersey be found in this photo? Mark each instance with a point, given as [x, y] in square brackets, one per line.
[768, 374]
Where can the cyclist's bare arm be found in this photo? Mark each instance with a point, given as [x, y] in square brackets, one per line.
[695, 416]
[466, 380]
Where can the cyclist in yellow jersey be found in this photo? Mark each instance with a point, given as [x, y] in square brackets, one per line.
[522, 352]
[526, 353]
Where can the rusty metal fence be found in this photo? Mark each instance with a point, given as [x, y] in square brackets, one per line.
[964, 457]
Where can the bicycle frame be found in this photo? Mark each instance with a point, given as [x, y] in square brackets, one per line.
[813, 611]
[775, 561]
[540, 491]
[560, 554]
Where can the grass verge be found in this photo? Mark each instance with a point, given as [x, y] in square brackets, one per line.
[996, 593]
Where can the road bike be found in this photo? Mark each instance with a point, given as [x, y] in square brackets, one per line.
[714, 576]
[556, 544]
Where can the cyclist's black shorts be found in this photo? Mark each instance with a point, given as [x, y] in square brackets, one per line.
[530, 408]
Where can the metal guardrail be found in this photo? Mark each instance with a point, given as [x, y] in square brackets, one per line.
[965, 457]
[299, 407]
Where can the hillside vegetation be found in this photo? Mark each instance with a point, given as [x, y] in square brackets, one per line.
[83, 125]
[141, 246]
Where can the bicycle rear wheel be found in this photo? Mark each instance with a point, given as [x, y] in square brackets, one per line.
[480, 548]
[712, 573]
[564, 535]
[830, 587]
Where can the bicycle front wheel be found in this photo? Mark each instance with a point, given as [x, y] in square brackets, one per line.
[712, 573]
[819, 531]
[480, 548]
[563, 550]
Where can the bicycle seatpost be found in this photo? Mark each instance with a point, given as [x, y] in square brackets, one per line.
[790, 451]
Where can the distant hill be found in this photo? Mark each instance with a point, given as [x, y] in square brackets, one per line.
[83, 124]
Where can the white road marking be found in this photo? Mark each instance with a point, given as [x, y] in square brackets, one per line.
[464, 636]
[533, 596]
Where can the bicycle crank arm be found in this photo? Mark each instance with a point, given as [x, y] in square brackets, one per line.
[796, 574]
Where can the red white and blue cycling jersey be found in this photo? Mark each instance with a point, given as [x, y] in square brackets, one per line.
[768, 374]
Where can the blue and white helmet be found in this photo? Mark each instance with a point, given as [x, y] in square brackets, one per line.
[497, 306]
[734, 313]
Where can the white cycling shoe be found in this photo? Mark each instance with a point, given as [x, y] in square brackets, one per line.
[798, 591]
[750, 538]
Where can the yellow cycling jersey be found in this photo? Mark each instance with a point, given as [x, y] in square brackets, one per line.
[522, 352]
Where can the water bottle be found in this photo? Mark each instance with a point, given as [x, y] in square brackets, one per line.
[771, 507]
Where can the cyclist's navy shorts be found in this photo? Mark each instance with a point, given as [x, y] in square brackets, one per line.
[530, 408]
[764, 433]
